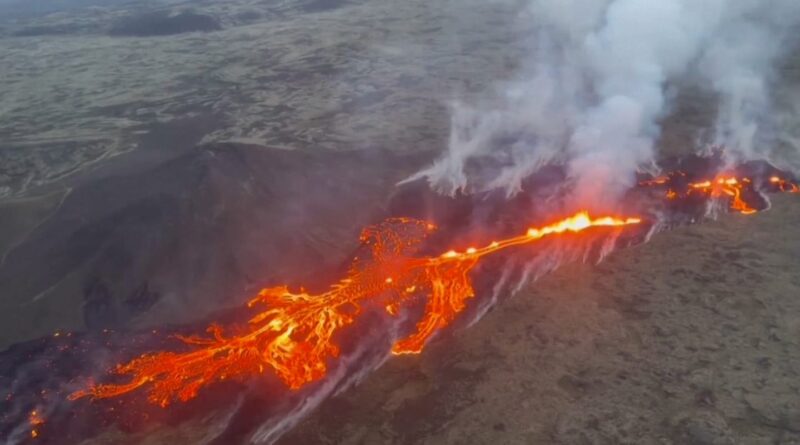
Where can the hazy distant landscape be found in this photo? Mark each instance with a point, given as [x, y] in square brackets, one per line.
[84, 84]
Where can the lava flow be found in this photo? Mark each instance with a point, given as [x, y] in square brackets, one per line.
[294, 335]
[35, 420]
[784, 185]
[726, 186]
[723, 186]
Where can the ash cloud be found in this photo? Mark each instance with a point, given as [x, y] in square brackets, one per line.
[598, 83]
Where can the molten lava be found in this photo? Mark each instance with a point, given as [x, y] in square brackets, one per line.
[784, 185]
[293, 335]
[730, 186]
[35, 420]
[723, 186]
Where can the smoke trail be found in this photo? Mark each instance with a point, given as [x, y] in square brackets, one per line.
[594, 92]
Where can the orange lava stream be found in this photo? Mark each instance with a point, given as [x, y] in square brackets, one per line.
[784, 185]
[722, 186]
[293, 335]
[726, 185]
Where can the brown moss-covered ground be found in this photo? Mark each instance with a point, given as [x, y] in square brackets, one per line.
[692, 338]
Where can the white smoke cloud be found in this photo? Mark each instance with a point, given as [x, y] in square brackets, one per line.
[594, 91]
[739, 65]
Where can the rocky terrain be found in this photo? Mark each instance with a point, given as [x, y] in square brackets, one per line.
[312, 75]
[77, 88]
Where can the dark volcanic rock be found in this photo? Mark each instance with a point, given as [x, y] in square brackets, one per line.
[163, 24]
[173, 241]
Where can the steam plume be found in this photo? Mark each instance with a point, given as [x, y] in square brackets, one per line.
[595, 91]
